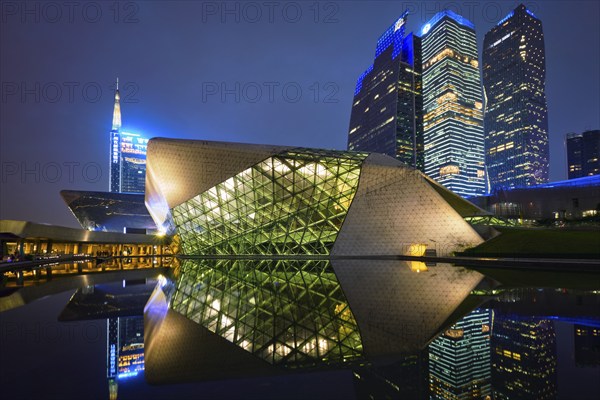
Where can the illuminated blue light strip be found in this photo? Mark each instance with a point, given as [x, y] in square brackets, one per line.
[361, 78]
[503, 20]
[394, 34]
[446, 13]
[530, 13]
[593, 180]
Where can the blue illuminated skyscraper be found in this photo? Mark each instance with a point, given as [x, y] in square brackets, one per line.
[127, 172]
[453, 104]
[516, 115]
[387, 109]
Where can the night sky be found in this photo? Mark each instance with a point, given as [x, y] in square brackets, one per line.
[58, 64]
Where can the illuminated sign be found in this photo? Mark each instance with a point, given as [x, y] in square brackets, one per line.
[426, 29]
[399, 24]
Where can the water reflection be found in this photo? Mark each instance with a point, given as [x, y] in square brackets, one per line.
[400, 329]
[311, 313]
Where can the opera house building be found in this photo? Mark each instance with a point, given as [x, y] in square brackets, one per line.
[299, 291]
[245, 199]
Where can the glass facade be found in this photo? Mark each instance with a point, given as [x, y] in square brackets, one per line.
[583, 154]
[452, 105]
[288, 313]
[516, 114]
[459, 359]
[291, 203]
[387, 108]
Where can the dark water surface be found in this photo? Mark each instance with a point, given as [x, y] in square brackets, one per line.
[338, 329]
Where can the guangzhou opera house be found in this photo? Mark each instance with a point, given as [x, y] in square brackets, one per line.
[244, 199]
[294, 295]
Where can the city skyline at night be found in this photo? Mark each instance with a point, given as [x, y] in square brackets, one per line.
[52, 143]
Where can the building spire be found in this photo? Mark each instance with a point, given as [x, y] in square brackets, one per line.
[116, 122]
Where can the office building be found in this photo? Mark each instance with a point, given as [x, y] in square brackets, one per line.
[583, 154]
[127, 155]
[387, 108]
[453, 104]
[459, 359]
[516, 114]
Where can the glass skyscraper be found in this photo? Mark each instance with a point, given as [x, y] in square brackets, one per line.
[516, 114]
[583, 154]
[127, 156]
[459, 359]
[453, 104]
[387, 109]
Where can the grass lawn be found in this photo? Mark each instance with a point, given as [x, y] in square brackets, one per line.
[539, 242]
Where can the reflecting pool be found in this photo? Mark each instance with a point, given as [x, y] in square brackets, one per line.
[302, 328]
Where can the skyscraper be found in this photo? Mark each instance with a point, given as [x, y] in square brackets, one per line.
[387, 109]
[583, 154]
[452, 104]
[127, 172]
[459, 359]
[516, 115]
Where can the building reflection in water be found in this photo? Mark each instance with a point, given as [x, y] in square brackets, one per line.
[270, 316]
[587, 345]
[524, 357]
[459, 359]
[124, 346]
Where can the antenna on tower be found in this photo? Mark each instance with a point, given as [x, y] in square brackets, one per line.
[117, 83]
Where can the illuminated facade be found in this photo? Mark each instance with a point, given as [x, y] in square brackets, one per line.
[523, 358]
[124, 346]
[452, 104]
[230, 198]
[387, 112]
[459, 359]
[127, 156]
[516, 114]
[583, 154]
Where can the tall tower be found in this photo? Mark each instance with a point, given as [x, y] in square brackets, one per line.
[452, 104]
[516, 115]
[115, 145]
[387, 108]
[127, 155]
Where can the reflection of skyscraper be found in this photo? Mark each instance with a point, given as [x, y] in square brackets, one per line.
[125, 346]
[516, 115]
[452, 104]
[459, 359]
[127, 172]
[587, 345]
[523, 358]
[387, 109]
